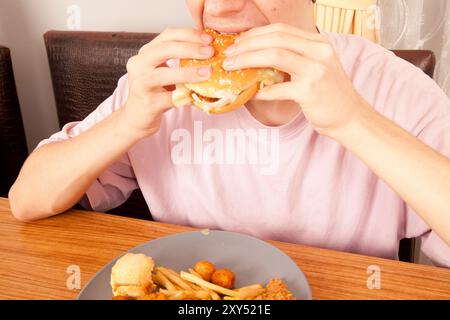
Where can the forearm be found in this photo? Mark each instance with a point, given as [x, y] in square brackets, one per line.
[57, 175]
[419, 174]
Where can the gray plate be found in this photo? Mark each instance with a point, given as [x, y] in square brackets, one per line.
[252, 260]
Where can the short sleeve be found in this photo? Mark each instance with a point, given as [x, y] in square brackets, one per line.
[117, 182]
[437, 135]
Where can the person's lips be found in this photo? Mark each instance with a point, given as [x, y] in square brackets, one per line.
[228, 28]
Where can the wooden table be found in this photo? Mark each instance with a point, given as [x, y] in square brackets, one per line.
[34, 258]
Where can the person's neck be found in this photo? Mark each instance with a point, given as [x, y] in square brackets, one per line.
[279, 112]
[273, 113]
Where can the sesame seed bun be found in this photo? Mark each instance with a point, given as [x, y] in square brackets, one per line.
[225, 91]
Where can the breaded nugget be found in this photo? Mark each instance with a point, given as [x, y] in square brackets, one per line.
[224, 278]
[205, 269]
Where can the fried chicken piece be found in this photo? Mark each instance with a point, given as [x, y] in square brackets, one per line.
[276, 289]
[131, 276]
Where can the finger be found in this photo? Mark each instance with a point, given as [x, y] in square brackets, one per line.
[157, 102]
[162, 101]
[170, 76]
[281, 91]
[282, 27]
[305, 47]
[179, 34]
[162, 52]
[281, 59]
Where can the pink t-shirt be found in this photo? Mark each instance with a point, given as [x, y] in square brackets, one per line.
[231, 172]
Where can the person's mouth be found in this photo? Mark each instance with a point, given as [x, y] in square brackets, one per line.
[224, 29]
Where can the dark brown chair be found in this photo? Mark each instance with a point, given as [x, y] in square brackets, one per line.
[12, 135]
[85, 67]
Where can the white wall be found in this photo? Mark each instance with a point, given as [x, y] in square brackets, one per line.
[23, 22]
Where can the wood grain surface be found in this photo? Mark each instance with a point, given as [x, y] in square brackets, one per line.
[34, 258]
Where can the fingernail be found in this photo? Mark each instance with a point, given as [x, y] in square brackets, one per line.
[228, 63]
[206, 51]
[204, 71]
[230, 50]
[206, 38]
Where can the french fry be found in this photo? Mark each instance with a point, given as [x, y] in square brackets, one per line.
[162, 280]
[177, 275]
[175, 278]
[253, 286]
[213, 294]
[194, 279]
[187, 294]
[157, 280]
[231, 298]
[193, 285]
[195, 273]
[201, 295]
[179, 295]
[250, 293]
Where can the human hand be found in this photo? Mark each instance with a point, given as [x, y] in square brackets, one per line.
[318, 83]
[148, 76]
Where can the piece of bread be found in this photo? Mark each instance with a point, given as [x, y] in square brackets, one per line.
[225, 90]
[131, 276]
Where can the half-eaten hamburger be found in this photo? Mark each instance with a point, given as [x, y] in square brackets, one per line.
[225, 91]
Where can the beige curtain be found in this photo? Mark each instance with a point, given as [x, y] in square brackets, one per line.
[358, 17]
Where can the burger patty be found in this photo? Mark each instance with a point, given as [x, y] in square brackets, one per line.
[206, 99]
